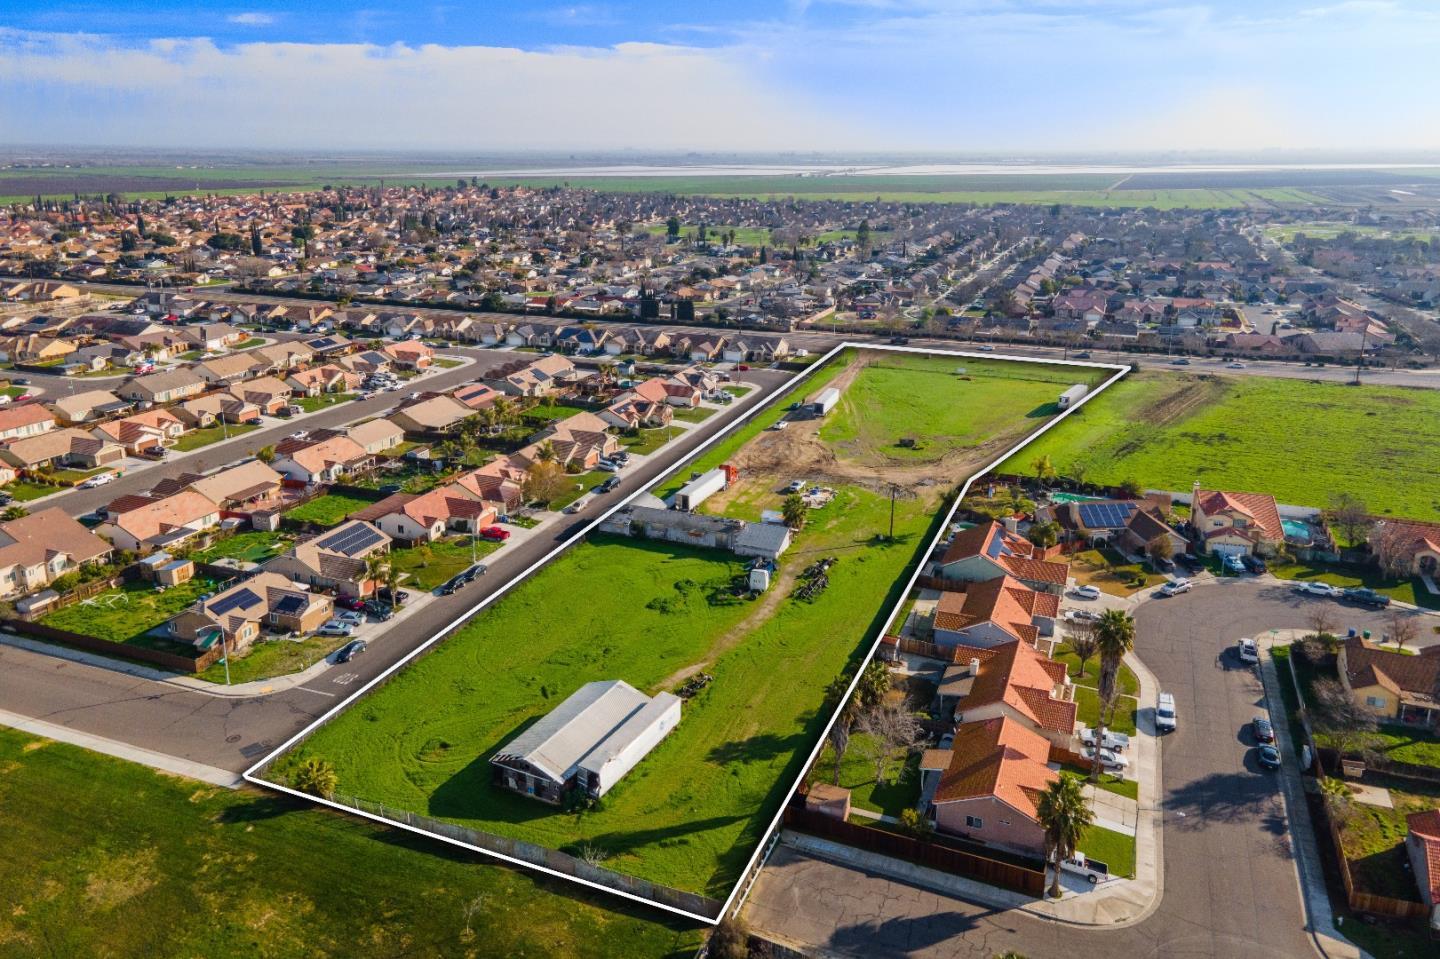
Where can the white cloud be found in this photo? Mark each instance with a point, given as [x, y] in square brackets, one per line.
[86, 89]
[251, 19]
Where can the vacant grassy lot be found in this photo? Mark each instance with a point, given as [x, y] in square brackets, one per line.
[132, 864]
[431, 564]
[195, 439]
[328, 510]
[125, 614]
[312, 403]
[648, 441]
[930, 400]
[892, 796]
[695, 414]
[271, 657]
[252, 545]
[1299, 440]
[1374, 838]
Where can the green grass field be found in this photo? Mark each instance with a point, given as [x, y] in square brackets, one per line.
[1301, 441]
[195, 439]
[271, 657]
[925, 398]
[428, 565]
[252, 545]
[327, 510]
[312, 403]
[124, 614]
[1114, 849]
[133, 864]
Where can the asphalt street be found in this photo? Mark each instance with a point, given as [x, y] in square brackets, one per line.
[231, 733]
[1230, 884]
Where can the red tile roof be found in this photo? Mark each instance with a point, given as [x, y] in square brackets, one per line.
[1260, 508]
[1000, 758]
[1425, 827]
[1016, 674]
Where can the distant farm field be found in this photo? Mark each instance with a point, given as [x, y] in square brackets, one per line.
[1302, 441]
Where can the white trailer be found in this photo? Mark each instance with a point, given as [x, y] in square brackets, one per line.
[1072, 396]
[698, 490]
[826, 401]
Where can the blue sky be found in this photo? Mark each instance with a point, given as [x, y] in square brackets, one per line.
[875, 75]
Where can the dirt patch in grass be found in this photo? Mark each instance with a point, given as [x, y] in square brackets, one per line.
[120, 877]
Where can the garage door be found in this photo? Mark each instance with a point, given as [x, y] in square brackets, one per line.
[1228, 549]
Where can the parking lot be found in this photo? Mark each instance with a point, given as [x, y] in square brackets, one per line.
[1230, 885]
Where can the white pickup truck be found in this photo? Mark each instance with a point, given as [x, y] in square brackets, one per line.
[1093, 870]
[1113, 740]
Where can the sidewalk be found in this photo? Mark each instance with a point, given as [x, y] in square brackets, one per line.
[1327, 940]
[111, 747]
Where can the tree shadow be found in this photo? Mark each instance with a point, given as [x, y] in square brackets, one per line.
[759, 748]
[1226, 798]
[905, 935]
[264, 807]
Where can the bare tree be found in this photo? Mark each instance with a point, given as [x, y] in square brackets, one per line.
[1393, 546]
[1349, 726]
[1400, 627]
[892, 731]
[1349, 517]
[1321, 619]
[1082, 642]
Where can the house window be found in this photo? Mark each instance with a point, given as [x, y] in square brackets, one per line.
[974, 822]
[1375, 702]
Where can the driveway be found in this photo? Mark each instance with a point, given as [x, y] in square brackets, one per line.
[1230, 885]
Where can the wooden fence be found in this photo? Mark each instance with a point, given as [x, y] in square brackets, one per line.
[1365, 901]
[932, 855]
[174, 662]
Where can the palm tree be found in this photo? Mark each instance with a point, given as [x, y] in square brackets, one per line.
[794, 511]
[14, 512]
[1114, 637]
[375, 566]
[316, 777]
[1063, 814]
[545, 452]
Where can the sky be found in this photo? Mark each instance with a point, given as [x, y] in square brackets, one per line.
[879, 76]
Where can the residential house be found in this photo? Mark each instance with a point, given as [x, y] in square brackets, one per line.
[1131, 525]
[578, 440]
[988, 550]
[148, 429]
[206, 411]
[409, 354]
[33, 348]
[1422, 846]
[286, 355]
[377, 436]
[991, 612]
[1236, 523]
[324, 379]
[36, 549]
[431, 414]
[89, 405]
[335, 560]
[987, 791]
[1395, 686]
[587, 743]
[159, 523]
[1011, 679]
[237, 487]
[168, 386]
[269, 394]
[236, 616]
[539, 378]
[61, 447]
[224, 370]
[476, 396]
[25, 419]
[427, 516]
[323, 460]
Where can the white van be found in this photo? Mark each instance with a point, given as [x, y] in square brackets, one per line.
[1165, 718]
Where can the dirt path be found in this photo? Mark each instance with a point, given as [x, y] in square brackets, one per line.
[778, 592]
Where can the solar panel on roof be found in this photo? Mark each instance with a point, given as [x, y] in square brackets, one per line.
[241, 599]
[351, 541]
[290, 604]
[1105, 515]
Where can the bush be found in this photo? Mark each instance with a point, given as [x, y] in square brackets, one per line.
[730, 940]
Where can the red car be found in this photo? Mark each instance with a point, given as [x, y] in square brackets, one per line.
[349, 602]
[495, 533]
[741, 367]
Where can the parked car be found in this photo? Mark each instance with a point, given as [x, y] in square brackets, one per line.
[796, 486]
[350, 602]
[610, 484]
[1093, 870]
[1317, 588]
[350, 650]
[1253, 564]
[495, 534]
[1191, 562]
[1268, 756]
[1082, 355]
[608, 466]
[453, 584]
[379, 611]
[622, 457]
[395, 597]
[1113, 740]
[99, 479]
[1081, 616]
[1264, 732]
[336, 628]
[474, 572]
[1180, 361]
[351, 616]
[254, 421]
[1109, 758]
[1163, 564]
[1175, 587]
[1085, 592]
[1362, 596]
[153, 452]
[1166, 720]
[1232, 564]
[1237, 365]
[576, 506]
[985, 348]
[1248, 651]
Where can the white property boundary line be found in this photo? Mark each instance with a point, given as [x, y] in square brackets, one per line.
[250, 775]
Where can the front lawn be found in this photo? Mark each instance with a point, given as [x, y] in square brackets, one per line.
[1110, 572]
[251, 342]
[125, 614]
[546, 412]
[1129, 685]
[312, 403]
[1114, 849]
[857, 774]
[430, 564]
[648, 441]
[1129, 788]
[1409, 590]
[581, 484]
[23, 490]
[1373, 838]
[108, 858]
[695, 414]
[1087, 702]
[195, 439]
[445, 363]
[330, 509]
[272, 656]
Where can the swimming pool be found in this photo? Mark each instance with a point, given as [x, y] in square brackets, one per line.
[1296, 529]
[1074, 498]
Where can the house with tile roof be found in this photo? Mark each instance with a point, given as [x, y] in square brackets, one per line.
[987, 791]
[335, 559]
[988, 550]
[1417, 544]
[148, 429]
[476, 396]
[237, 615]
[269, 394]
[428, 516]
[409, 354]
[1395, 686]
[239, 486]
[323, 460]
[37, 549]
[329, 378]
[25, 419]
[206, 411]
[224, 370]
[1238, 523]
[430, 414]
[161, 522]
[377, 435]
[539, 378]
[1010, 679]
[1422, 845]
[580, 440]
[1129, 524]
[991, 612]
[61, 447]
[167, 386]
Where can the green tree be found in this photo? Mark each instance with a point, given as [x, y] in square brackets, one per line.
[1045, 470]
[316, 777]
[265, 454]
[672, 227]
[1081, 640]
[1114, 637]
[795, 511]
[874, 684]
[1063, 814]
[1044, 535]
[14, 512]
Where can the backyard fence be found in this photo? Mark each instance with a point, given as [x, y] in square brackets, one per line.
[174, 662]
[930, 854]
[541, 856]
[1365, 901]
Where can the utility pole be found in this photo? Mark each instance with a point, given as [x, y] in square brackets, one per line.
[893, 488]
[1360, 360]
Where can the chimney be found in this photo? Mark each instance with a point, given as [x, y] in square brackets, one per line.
[974, 666]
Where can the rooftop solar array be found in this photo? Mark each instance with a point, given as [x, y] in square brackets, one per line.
[289, 605]
[351, 540]
[240, 599]
[1105, 515]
